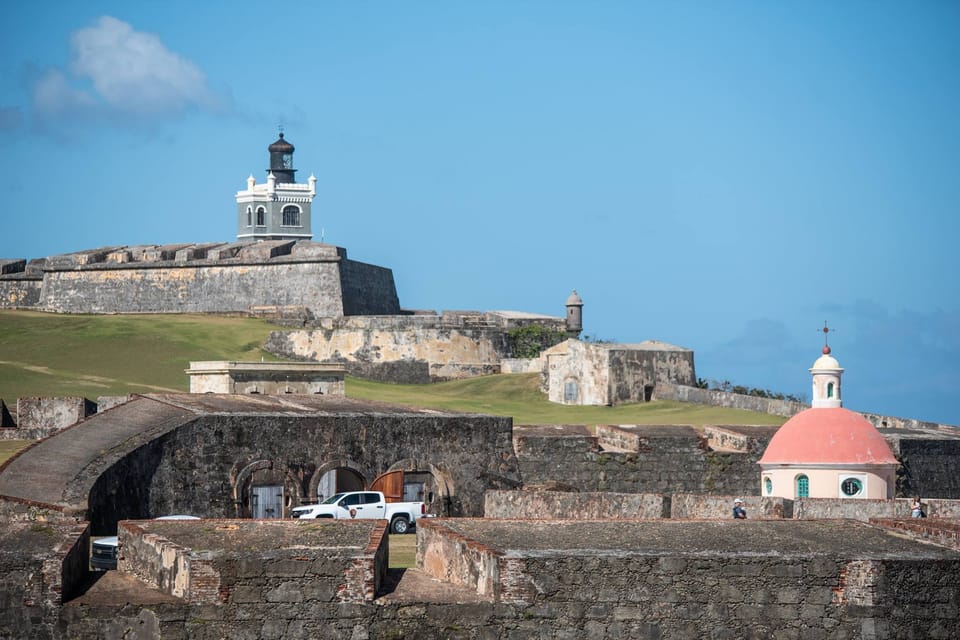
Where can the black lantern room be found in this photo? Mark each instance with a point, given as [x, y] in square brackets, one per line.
[281, 160]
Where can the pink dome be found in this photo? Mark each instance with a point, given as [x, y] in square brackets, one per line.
[828, 436]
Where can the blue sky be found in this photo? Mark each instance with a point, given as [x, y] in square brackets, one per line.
[722, 176]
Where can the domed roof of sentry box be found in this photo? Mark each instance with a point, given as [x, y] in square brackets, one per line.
[828, 436]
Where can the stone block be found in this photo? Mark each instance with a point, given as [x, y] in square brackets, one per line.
[242, 594]
[285, 592]
[789, 595]
[12, 266]
[52, 414]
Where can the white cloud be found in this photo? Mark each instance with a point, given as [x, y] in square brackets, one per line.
[134, 71]
[53, 96]
[115, 71]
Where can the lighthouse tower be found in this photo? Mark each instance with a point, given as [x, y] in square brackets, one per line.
[278, 209]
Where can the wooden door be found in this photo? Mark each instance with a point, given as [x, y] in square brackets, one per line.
[390, 484]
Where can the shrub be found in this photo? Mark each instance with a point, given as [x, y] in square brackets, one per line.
[530, 339]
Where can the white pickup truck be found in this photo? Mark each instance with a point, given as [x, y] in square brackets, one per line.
[364, 504]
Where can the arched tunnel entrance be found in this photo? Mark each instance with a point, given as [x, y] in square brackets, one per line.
[269, 489]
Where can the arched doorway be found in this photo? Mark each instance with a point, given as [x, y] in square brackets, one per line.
[336, 476]
[428, 483]
[262, 489]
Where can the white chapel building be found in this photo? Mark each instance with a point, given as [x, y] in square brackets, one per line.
[828, 451]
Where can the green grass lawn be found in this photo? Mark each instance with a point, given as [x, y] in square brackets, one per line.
[403, 551]
[10, 447]
[43, 354]
[518, 395]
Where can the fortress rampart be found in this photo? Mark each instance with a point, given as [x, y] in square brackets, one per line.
[200, 278]
[416, 348]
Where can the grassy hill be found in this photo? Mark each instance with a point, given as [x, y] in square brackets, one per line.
[43, 354]
[83, 355]
[518, 395]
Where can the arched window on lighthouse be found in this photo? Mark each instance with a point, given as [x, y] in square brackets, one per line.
[829, 389]
[291, 216]
[261, 213]
[249, 216]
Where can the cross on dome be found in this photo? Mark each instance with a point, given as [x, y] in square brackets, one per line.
[826, 331]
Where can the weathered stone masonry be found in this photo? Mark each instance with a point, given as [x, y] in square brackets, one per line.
[202, 279]
[158, 455]
[637, 459]
[417, 348]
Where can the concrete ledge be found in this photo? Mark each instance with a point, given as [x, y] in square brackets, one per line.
[271, 378]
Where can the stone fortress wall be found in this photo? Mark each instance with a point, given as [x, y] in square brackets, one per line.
[200, 278]
[643, 566]
[417, 348]
[493, 579]
[713, 460]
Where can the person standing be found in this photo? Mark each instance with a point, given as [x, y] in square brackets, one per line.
[916, 510]
[739, 513]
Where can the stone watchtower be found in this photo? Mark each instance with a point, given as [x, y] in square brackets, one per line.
[574, 315]
[280, 208]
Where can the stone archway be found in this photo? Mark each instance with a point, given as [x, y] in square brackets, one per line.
[243, 481]
[441, 499]
[335, 465]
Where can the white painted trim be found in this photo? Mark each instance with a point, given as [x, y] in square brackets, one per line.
[266, 233]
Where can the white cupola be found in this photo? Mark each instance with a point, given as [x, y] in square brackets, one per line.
[826, 372]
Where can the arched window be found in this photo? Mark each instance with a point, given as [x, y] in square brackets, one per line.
[291, 216]
[829, 389]
[249, 216]
[261, 213]
[803, 486]
[768, 485]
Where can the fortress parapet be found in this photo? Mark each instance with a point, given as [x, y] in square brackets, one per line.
[200, 278]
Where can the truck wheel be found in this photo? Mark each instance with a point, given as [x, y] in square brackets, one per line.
[400, 525]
